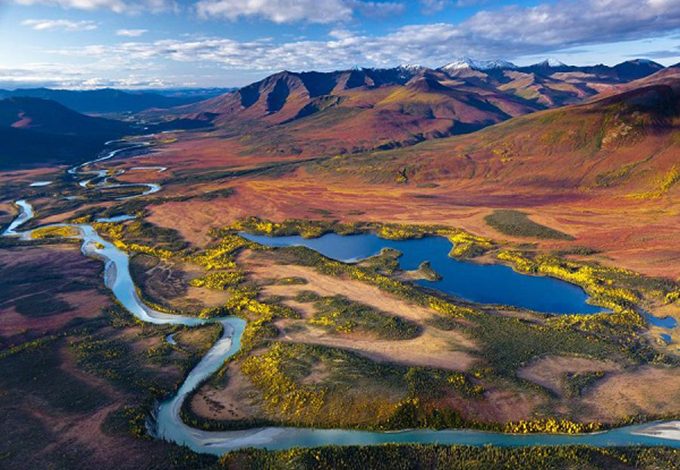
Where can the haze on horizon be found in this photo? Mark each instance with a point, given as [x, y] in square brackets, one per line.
[210, 43]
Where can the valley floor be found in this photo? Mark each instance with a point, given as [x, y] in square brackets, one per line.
[328, 344]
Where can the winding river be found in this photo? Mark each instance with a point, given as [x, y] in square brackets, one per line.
[169, 426]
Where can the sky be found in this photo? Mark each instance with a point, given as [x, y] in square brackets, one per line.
[228, 43]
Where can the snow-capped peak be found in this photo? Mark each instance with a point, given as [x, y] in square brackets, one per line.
[551, 62]
[467, 63]
[644, 62]
[411, 67]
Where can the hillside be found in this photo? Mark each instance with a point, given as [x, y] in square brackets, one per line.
[626, 141]
[37, 131]
[53, 118]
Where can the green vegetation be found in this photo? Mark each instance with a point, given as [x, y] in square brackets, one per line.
[116, 361]
[577, 251]
[307, 296]
[386, 262]
[139, 236]
[551, 425]
[413, 457]
[511, 342]
[518, 224]
[426, 271]
[341, 315]
[576, 383]
[617, 289]
[219, 280]
[663, 185]
[260, 316]
[282, 371]
[291, 281]
[33, 370]
[304, 228]
[305, 385]
[45, 394]
[39, 305]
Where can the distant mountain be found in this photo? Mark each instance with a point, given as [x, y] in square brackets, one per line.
[635, 69]
[482, 65]
[108, 100]
[34, 130]
[37, 131]
[551, 83]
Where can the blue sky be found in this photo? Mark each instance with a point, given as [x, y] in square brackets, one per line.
[205, 43]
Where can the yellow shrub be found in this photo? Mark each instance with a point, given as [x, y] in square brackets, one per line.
[54, 232]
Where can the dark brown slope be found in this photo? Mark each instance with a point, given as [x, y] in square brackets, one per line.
[35, 131]
[52, 118]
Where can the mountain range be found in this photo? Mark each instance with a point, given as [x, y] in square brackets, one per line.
[350, 111]
[322, 113]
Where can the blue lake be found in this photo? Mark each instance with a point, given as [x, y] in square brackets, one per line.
[482, 283]
[662, 322]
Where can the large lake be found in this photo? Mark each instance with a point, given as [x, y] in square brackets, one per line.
[482, 283]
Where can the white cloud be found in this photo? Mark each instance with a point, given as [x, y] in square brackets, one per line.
[571, 22]
[117, 6]
[131, 33]
[376, 8]
[289, 11]
[433, 6]
[340, 33]
[68, 76]
[278, 11]
[60, 25]
[508, 32]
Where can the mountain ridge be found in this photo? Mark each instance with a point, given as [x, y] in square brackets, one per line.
[365, 108]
